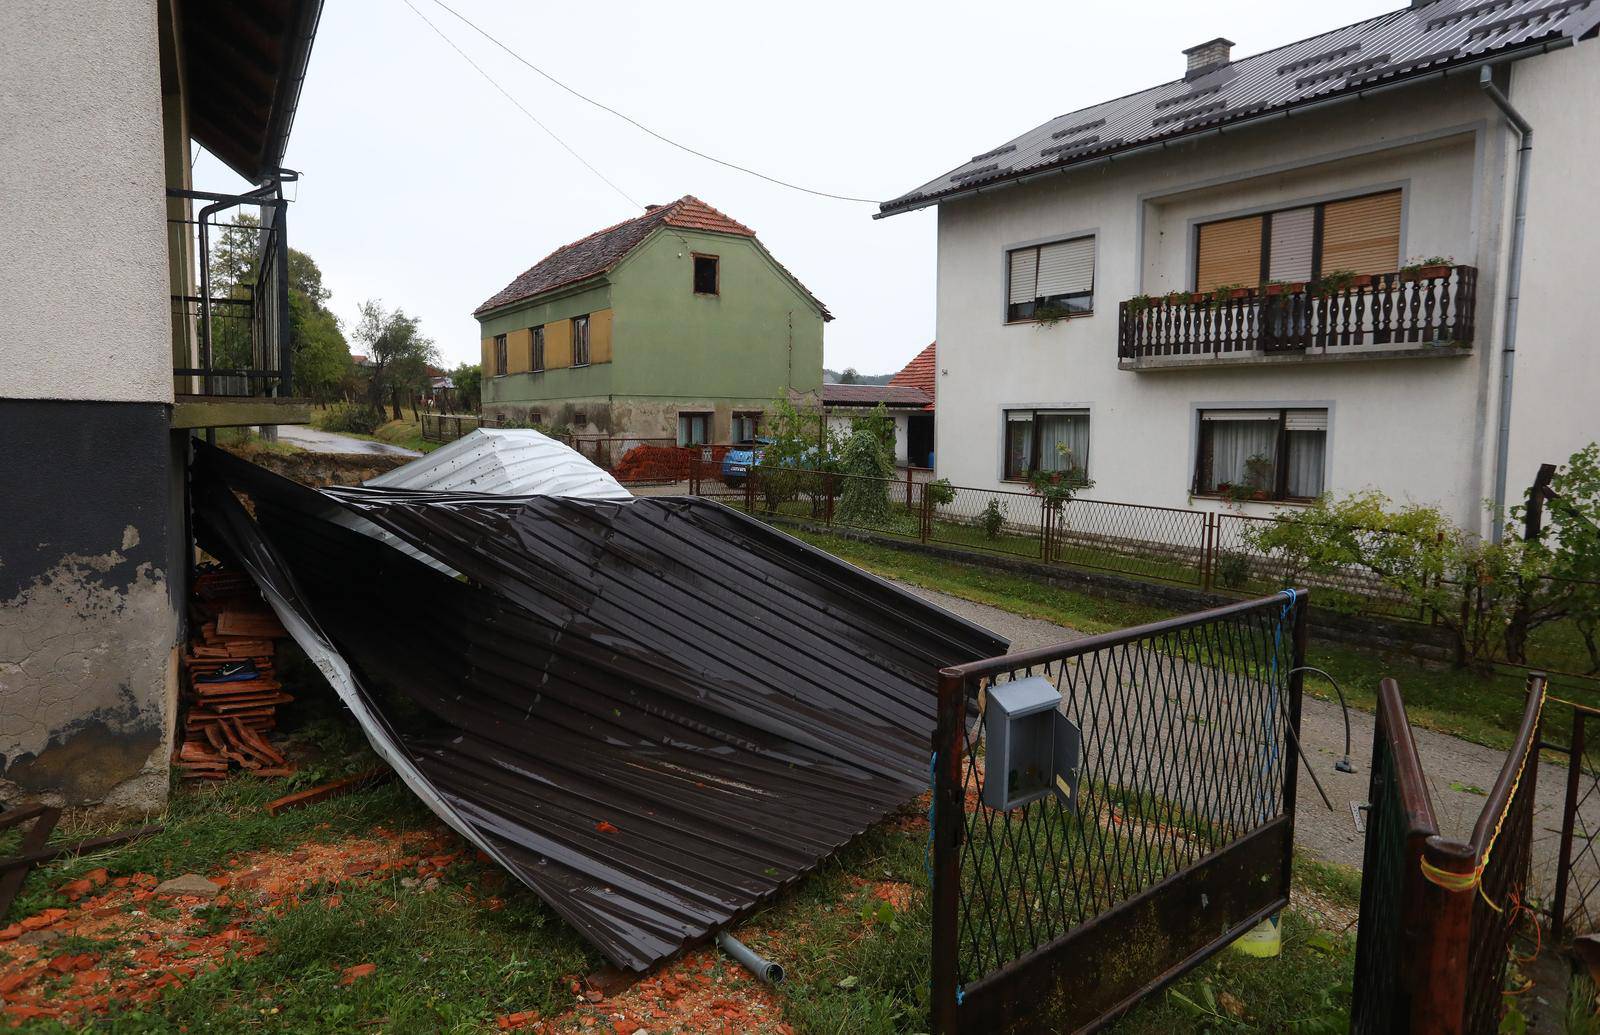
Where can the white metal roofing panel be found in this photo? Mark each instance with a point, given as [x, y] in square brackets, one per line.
[506, 462]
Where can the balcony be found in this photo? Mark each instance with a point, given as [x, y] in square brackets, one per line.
[1425, 311]
[232, 356]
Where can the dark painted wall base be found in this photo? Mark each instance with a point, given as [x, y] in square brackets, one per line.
[91, 566]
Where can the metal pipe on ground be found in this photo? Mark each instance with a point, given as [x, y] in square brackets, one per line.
[760, 966]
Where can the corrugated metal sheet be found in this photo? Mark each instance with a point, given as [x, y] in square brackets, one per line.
[505, 462]
[655, 713]
[1388, 48]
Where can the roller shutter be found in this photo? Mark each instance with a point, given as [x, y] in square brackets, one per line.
[1066, 268]
[1362, 234]
[1293, 234]
[1024, 275]
[1229, 253]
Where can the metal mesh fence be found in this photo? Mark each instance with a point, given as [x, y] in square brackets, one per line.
[1576, 906]
[1185, 751]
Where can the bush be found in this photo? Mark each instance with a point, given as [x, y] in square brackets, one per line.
[1233, 569]
[992, 519]
[864, 499]
[354, 418]
[939, 493]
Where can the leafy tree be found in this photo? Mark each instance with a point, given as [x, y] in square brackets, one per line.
[399, 353]
[801, 446]
[880, 425]
[1570, 549]
[851, 376]
[468, 378]
[1476, 589]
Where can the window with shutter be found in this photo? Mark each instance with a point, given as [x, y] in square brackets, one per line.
[1058, 276]
[1229, 253]
[1362, 235]
[1290, 241]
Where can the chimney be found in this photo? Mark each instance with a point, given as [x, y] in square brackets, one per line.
[1206, 56]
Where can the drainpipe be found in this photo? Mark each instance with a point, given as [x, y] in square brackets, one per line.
[1508, 350]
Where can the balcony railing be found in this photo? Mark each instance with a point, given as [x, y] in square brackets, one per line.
[1381, 312]
[233, 335]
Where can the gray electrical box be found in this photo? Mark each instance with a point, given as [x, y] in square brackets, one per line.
[1033, 749]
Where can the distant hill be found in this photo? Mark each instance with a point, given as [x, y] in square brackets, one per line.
[831, 377]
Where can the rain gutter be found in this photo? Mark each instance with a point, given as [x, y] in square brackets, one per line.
[1508, 348]
[1231, 127]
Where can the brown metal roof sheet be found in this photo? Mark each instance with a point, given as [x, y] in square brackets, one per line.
[655, 713]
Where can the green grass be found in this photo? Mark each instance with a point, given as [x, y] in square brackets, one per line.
[246, 441]
[1483, 707]
[405, 433]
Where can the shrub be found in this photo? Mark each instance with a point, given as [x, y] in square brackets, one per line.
[992, 519]
[1233, 569]
[939, 493]
[354, 418]
[864, 498]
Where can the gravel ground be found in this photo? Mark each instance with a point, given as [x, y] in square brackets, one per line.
[328, 442]
[1460, 773]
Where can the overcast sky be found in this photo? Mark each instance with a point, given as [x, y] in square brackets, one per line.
[425, 187]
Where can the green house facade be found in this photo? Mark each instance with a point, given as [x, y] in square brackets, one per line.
[676, 324]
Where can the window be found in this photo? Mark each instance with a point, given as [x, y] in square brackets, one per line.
[694, 429]
[1361, 235]
[1262, 454]
[538, 350]
[499, 355]
[536, 417]
[1047, 440]
[1057, 277]
[705, 275]
[580, 341]
[580, 419]
[746, 425]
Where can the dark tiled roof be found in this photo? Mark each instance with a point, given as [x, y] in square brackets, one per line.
[921, 373]
[872, 395]
[1389, 48]
[603, 249]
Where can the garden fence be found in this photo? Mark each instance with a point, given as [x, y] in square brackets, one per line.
[1171, 837]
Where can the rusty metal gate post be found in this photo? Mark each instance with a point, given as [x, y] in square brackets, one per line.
[948, 825]
[1437, 931]
[750, 490]
[827, 497]
[925, 525]
[1208, 551]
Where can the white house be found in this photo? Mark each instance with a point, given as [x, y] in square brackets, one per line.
[1301, 190]
[107, 326]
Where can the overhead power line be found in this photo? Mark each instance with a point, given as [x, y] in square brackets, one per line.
[534, 118]
[639, 125]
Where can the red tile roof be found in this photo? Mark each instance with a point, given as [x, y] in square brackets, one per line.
[922, 372]
[603, 249]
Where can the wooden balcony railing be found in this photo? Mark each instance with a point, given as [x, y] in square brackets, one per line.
[1430, 306]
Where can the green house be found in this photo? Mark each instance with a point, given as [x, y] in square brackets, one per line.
[677, 324]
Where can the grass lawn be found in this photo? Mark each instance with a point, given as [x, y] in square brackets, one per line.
[1482, 707]
[405, 433]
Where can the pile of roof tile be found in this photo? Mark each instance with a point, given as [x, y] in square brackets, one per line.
[231, 693]
[661, 463]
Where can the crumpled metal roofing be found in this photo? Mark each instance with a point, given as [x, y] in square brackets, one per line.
[1409, 43]
[505, 461]
[655, 713]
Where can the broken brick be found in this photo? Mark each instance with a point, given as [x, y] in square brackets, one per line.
[43, 919]
[357, 972]
[515, 1021]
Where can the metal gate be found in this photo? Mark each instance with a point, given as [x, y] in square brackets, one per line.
[1061, 912]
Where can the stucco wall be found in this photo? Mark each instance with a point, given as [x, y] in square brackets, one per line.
[1417, 429]
[1556, 400]
[89, 633]
[83, 280]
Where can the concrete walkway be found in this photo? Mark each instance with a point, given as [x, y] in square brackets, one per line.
[315, 441]
[1460, 773]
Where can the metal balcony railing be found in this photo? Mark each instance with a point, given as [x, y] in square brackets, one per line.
[235, 330]
[1432, 305]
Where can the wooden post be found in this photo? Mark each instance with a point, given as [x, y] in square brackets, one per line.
[1436, 929]
[1208, 551]
[949, 821]
[750, 489]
